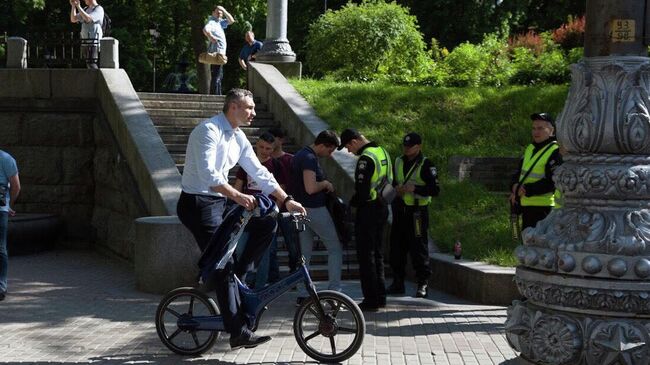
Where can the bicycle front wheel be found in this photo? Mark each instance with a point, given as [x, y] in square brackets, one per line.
[335, 337]
[175, 308]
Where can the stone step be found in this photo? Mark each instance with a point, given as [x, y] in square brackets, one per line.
[191, 113]
[260, 121]
[164, 129]
[182, 97]
[318, 256]
[319, 272]
[215, 107]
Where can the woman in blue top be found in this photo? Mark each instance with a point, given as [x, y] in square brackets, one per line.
[213, 30]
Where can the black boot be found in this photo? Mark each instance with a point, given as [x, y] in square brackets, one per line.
[422, 291]
[397, 287]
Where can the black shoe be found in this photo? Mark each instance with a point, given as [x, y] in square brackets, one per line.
[248, 341]
[368, 307]
[395, 288]
[422, 291]
[2, 296]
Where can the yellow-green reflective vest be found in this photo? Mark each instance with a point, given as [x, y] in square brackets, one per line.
[559, 199]
[538, 173]
[383, 168]
[415, 179]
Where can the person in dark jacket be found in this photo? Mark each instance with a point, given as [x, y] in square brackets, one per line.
[532, 185]
[373, 166]
[416, 181]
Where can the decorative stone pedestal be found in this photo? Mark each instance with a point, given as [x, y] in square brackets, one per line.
[585, 269]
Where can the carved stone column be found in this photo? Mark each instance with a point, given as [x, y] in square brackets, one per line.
[276, 45]
[585, 269]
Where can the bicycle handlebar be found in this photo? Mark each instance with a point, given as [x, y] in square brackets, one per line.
[294, 215]
[297, 218]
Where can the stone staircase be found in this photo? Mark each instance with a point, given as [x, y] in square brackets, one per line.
[175, 115]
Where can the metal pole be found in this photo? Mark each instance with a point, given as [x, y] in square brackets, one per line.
[154, 70]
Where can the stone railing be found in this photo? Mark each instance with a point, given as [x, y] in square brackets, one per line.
[300, 121]
[18, 52]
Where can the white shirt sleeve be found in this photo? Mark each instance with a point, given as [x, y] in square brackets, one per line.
[210, 157]
[260, 174]
[97, 15]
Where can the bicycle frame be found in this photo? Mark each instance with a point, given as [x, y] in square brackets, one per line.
[254, 302]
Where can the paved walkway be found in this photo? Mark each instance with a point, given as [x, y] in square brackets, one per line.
[75, 306]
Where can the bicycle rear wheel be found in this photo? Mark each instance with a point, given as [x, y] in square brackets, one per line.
[179, 305]
[335, 337]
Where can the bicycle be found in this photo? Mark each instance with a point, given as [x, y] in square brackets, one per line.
[188, 321]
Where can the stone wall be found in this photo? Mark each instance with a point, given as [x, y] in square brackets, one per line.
[87, 151]
[493, 172]
[70, 165]
[54, 152]
[117, 200]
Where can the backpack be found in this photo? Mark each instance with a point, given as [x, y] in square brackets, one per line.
[106, 25]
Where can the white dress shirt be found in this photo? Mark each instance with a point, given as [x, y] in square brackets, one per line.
[213, 149]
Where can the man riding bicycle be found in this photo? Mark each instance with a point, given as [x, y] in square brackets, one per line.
[215, 146]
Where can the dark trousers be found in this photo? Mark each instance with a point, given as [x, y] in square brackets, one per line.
[369, 232]
[216, 72]
[530, 215]
[290, 240]
[202, 215]
[404, 239]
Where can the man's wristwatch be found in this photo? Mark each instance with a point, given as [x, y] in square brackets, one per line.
[289, 197]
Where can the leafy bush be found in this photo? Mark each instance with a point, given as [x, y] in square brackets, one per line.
[524, 63]
[571, 34]
[371, 40]
[575, 55]
[483, 64]
[530, 40]
[465, 65]
[553, 67]
[498, 67]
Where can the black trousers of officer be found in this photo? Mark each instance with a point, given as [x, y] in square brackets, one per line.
[403, 240]
[530, 215]
[202, 215]
[369, 232]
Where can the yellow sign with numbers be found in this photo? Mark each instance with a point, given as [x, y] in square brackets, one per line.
[622, 30]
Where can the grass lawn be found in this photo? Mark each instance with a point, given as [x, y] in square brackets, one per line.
[452, 121]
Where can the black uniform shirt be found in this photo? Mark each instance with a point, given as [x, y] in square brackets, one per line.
[362, 176]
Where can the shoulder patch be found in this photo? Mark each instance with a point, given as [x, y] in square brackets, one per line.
[362, 164]
[434, 171]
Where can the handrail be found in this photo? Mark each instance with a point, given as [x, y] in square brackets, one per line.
[62, 50]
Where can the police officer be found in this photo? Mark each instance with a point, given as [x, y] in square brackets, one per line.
[373, 168]
[416, 181]
[532, 185]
